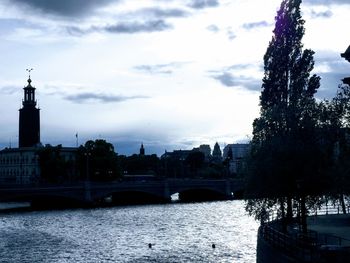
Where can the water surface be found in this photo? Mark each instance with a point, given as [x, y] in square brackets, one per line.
[178, 233]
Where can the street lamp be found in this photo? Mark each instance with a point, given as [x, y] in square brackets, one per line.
[87, 176]
[87, 179]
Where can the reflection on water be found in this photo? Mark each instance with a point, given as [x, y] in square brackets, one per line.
[178, 232]
[10, 205]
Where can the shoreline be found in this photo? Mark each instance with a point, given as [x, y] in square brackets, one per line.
[8, 207]
[327, 240]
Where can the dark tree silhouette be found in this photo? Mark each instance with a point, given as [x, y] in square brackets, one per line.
[140, 164]
[195, 160]
[335, 121]
[284, 151]
[54, 168]
[229, 154]
[217, 154]
[99, 160]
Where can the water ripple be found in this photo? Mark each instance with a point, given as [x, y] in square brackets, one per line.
[177, 232]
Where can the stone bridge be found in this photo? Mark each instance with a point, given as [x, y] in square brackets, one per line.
[126, 192]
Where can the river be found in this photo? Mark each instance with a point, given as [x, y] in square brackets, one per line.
[178, 233]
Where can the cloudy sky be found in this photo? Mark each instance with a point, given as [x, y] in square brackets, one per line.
[172, 74]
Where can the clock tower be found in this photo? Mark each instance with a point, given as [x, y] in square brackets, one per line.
[29, 118]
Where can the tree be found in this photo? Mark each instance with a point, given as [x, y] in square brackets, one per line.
[98, 159]
[54, 168]
[335, 123]
[141, 164]
[284, 149]
[195, 160]
[217, 154]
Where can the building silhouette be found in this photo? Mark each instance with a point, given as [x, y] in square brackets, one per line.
[21, 166]
[142, 150]
[217, 154]
[236, 154]
[205, 149]
[29, 119]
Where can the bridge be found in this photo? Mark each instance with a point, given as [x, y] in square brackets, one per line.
[125, 192]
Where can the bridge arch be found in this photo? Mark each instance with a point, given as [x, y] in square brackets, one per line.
[201, 194]
[46, 200]
[130, 197]
[146, 192]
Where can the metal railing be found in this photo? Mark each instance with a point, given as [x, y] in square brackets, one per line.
[305, 247]
[300, 246]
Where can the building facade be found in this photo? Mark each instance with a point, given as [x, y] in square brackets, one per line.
[205, 149]
[239, 152]
[19, 166]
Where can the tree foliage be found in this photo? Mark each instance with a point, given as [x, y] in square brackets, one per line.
[286, 159]
[335, 120]
[300, 147]
[54, 167]
[284, 146]
[140, 164]
[98, 161]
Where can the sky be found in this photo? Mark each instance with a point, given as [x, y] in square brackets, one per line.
[171, 74]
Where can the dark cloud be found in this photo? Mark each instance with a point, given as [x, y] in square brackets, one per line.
[326, 2]
[154, 69]
[123, 28]
[9, 90]
[137, 27]
[229, 80]
[213, 28]
[201, 4]
[160, 68]
[233, 76]
[226, 79]
[329, 66]
[161, 12]
[86, 97]
[67, 8]
[325, 14]
[231, 35]
[329, 84]
[240, 67]
[76, 31]
[255, 25]
[337, 69]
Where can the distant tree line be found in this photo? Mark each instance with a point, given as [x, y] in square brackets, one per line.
[195, 165]
[98, 161]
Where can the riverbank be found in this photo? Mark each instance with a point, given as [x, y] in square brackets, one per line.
[6, 207]
[327, 240]
[336, 226]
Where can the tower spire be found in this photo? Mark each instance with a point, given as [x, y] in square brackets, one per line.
[29, 70]
[142, 150]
